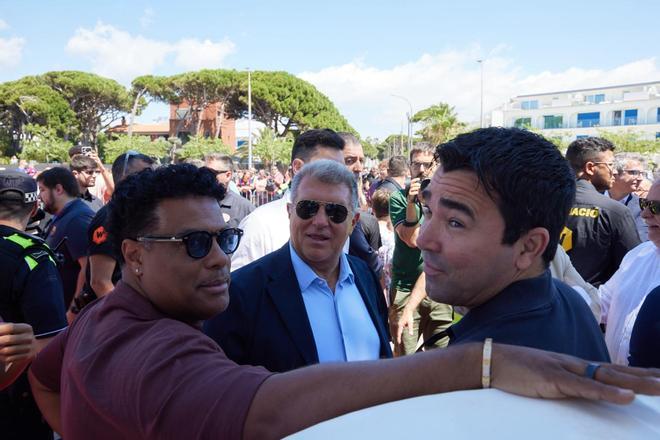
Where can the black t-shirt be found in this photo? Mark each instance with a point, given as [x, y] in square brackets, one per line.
[235, 208]
[599, 233]
[67, 234]
[97, 235]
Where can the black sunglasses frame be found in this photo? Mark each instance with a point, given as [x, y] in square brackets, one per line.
[306, 209]
[187, 240]
[652, 205]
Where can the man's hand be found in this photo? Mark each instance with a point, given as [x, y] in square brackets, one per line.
[414, 189]
[536, 373]
[95, 157]
[17, 343]
[405, 320]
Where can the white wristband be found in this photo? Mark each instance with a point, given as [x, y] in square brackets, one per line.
[485, 363]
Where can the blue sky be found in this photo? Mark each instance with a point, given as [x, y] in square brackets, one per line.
[357, 53]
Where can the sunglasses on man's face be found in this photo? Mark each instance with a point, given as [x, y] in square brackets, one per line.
[306, 209]
[198, 243]
[652, 205]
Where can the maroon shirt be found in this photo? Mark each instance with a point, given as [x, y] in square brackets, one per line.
[125, 370]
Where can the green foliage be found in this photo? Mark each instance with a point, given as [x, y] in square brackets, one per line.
[96, 101]
[43, 145]
[286, 103]
[271, 148]
[31, 101]
[631, 142]
[371, 147]
[156, 149]
[440, 123]
[395, 145]
[199, 146]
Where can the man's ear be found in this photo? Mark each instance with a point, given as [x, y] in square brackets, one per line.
[58, 189]
[289, 207]
[296, 165]
[132, 252]
[354, 221]
[531, 246]
[588, 168]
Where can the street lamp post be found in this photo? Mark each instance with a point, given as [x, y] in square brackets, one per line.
[249, 119]
[481, 95]
[409, 117]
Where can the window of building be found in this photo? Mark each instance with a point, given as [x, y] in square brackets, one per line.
[657, 134]
[658, 116]
[588, 119]
[529, 105]
[595, 99]
[581, 136]
[523, 123]
[553, 121]
[616, 117]
[630, 117]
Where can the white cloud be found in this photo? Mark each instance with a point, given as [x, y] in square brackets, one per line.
[11, 50]
[117, 54]
[363, 93]
[192, 54]
[147, 18]
[3, 25]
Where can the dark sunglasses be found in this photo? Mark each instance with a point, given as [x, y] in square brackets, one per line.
[198, 243]
[306, 209]
[652, 205]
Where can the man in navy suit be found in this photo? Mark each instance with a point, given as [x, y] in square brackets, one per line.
[307, 302]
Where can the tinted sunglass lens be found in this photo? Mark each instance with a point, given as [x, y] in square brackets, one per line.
[336, 213]
[306, 209]
[229, 240]
[198, 244]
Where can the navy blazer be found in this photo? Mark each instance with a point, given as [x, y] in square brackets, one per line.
[266, 321]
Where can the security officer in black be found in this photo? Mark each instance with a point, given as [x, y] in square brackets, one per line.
[30, 292]
[599, 231]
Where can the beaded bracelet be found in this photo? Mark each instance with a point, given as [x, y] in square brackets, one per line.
[485, 363]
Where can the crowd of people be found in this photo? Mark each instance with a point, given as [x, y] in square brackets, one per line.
[136, 297]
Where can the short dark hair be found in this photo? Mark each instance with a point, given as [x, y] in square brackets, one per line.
[80, 162]
[16, 210]
[349, 138]
[76, 149]
[522, 172]
[380, 203]
[60, 175]
[226, 160]
[132, 209]
[421, 147]
[583, 150]
[308, 142]
[121, 162]
[397, 166]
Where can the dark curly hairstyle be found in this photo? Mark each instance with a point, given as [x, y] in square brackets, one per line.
[523, 173]
[131, 211]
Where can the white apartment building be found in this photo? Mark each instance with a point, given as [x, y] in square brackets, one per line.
[574, 114]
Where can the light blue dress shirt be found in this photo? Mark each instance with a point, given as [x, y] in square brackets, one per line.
[340, 321]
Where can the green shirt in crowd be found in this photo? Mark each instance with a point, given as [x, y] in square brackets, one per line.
[407, 263]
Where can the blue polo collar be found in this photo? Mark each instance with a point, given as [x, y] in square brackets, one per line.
[520, 297]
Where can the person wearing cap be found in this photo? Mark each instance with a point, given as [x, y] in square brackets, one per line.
[30, 296]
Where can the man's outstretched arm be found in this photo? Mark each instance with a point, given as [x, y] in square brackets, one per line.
[289, 402]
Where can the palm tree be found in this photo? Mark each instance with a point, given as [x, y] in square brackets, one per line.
[440, 123]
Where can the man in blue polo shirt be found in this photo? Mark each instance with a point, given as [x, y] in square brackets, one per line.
[66, 233]
[494, 211]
